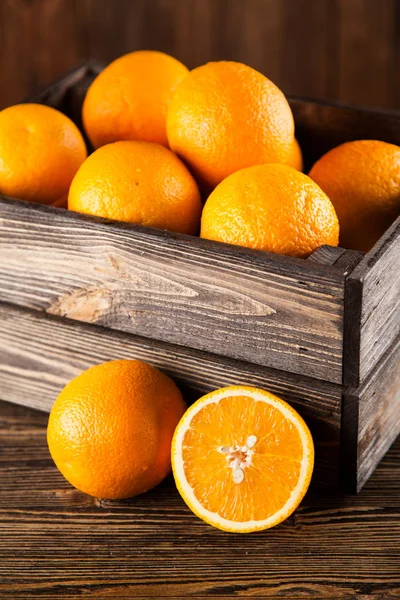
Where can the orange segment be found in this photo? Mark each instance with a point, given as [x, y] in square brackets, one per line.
[242, 459]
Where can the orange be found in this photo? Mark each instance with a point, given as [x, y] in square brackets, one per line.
[362, 179]
[270, 207]
[129, 99]
[40, 151]
[140, 183]
[225, 116]
[296, 156]
[110, 429]
[242, 459]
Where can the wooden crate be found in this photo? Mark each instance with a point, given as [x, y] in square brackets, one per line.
[324, 333]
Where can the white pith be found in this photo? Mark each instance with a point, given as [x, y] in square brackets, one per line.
[238, 457]
[213, 517]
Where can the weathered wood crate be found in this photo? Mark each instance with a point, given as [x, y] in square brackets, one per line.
[324, 333]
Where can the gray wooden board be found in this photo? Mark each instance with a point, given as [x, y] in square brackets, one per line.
[40, 353]
[375, 286]
[278, 311]
[371, 419]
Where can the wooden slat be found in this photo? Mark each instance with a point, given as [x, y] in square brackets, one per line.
[327, 255]
[376, 281]
[331, 48]
[371, 419]
[345, 260]
[267, 309]
[303, 69]
[38, 42]
[363, 63]
[39, 354]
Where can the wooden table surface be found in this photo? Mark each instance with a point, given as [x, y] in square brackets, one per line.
[58, 543]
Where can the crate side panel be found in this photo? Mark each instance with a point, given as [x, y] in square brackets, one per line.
[378, 414]
[379, 274]
[39, 354]
[267, 309]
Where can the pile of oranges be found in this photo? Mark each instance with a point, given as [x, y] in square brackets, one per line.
[210, 152]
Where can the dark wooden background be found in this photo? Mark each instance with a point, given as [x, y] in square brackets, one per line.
[340, 49]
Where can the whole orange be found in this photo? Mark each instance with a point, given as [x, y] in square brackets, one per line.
[110, 429]
[40, 151]
[362, 179]
[270, 207]
[129, 99]
[140, 183]
[225, 116]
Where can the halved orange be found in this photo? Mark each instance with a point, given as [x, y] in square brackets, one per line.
[242, 459]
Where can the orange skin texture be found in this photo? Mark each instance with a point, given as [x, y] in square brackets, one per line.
[225, 116]
[129, 99]
[140, 183]
[273, 208]
[362, 179]
[110, 429]
[40, 151]
[296, 156]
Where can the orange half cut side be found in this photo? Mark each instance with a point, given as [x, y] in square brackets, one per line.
[242, 459]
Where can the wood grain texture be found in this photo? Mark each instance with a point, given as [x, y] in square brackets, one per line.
[379, 415]
[376, 281]
[39, 354]
[371, 418]
[58, 543]
[345, 260]
[327, 255]
[339, 49]
[376, 20]
[267, 309]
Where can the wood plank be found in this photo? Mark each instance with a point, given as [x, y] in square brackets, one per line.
[260, 35]
[56, 542]
[327, 255]
[273, 310]
[38, 42]
[305, 71]
[40, 353]
[353, 55]
[348, 261]
[345, 260]
[376, 279]
[379, 414]
[371, 419]
[360, 62]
